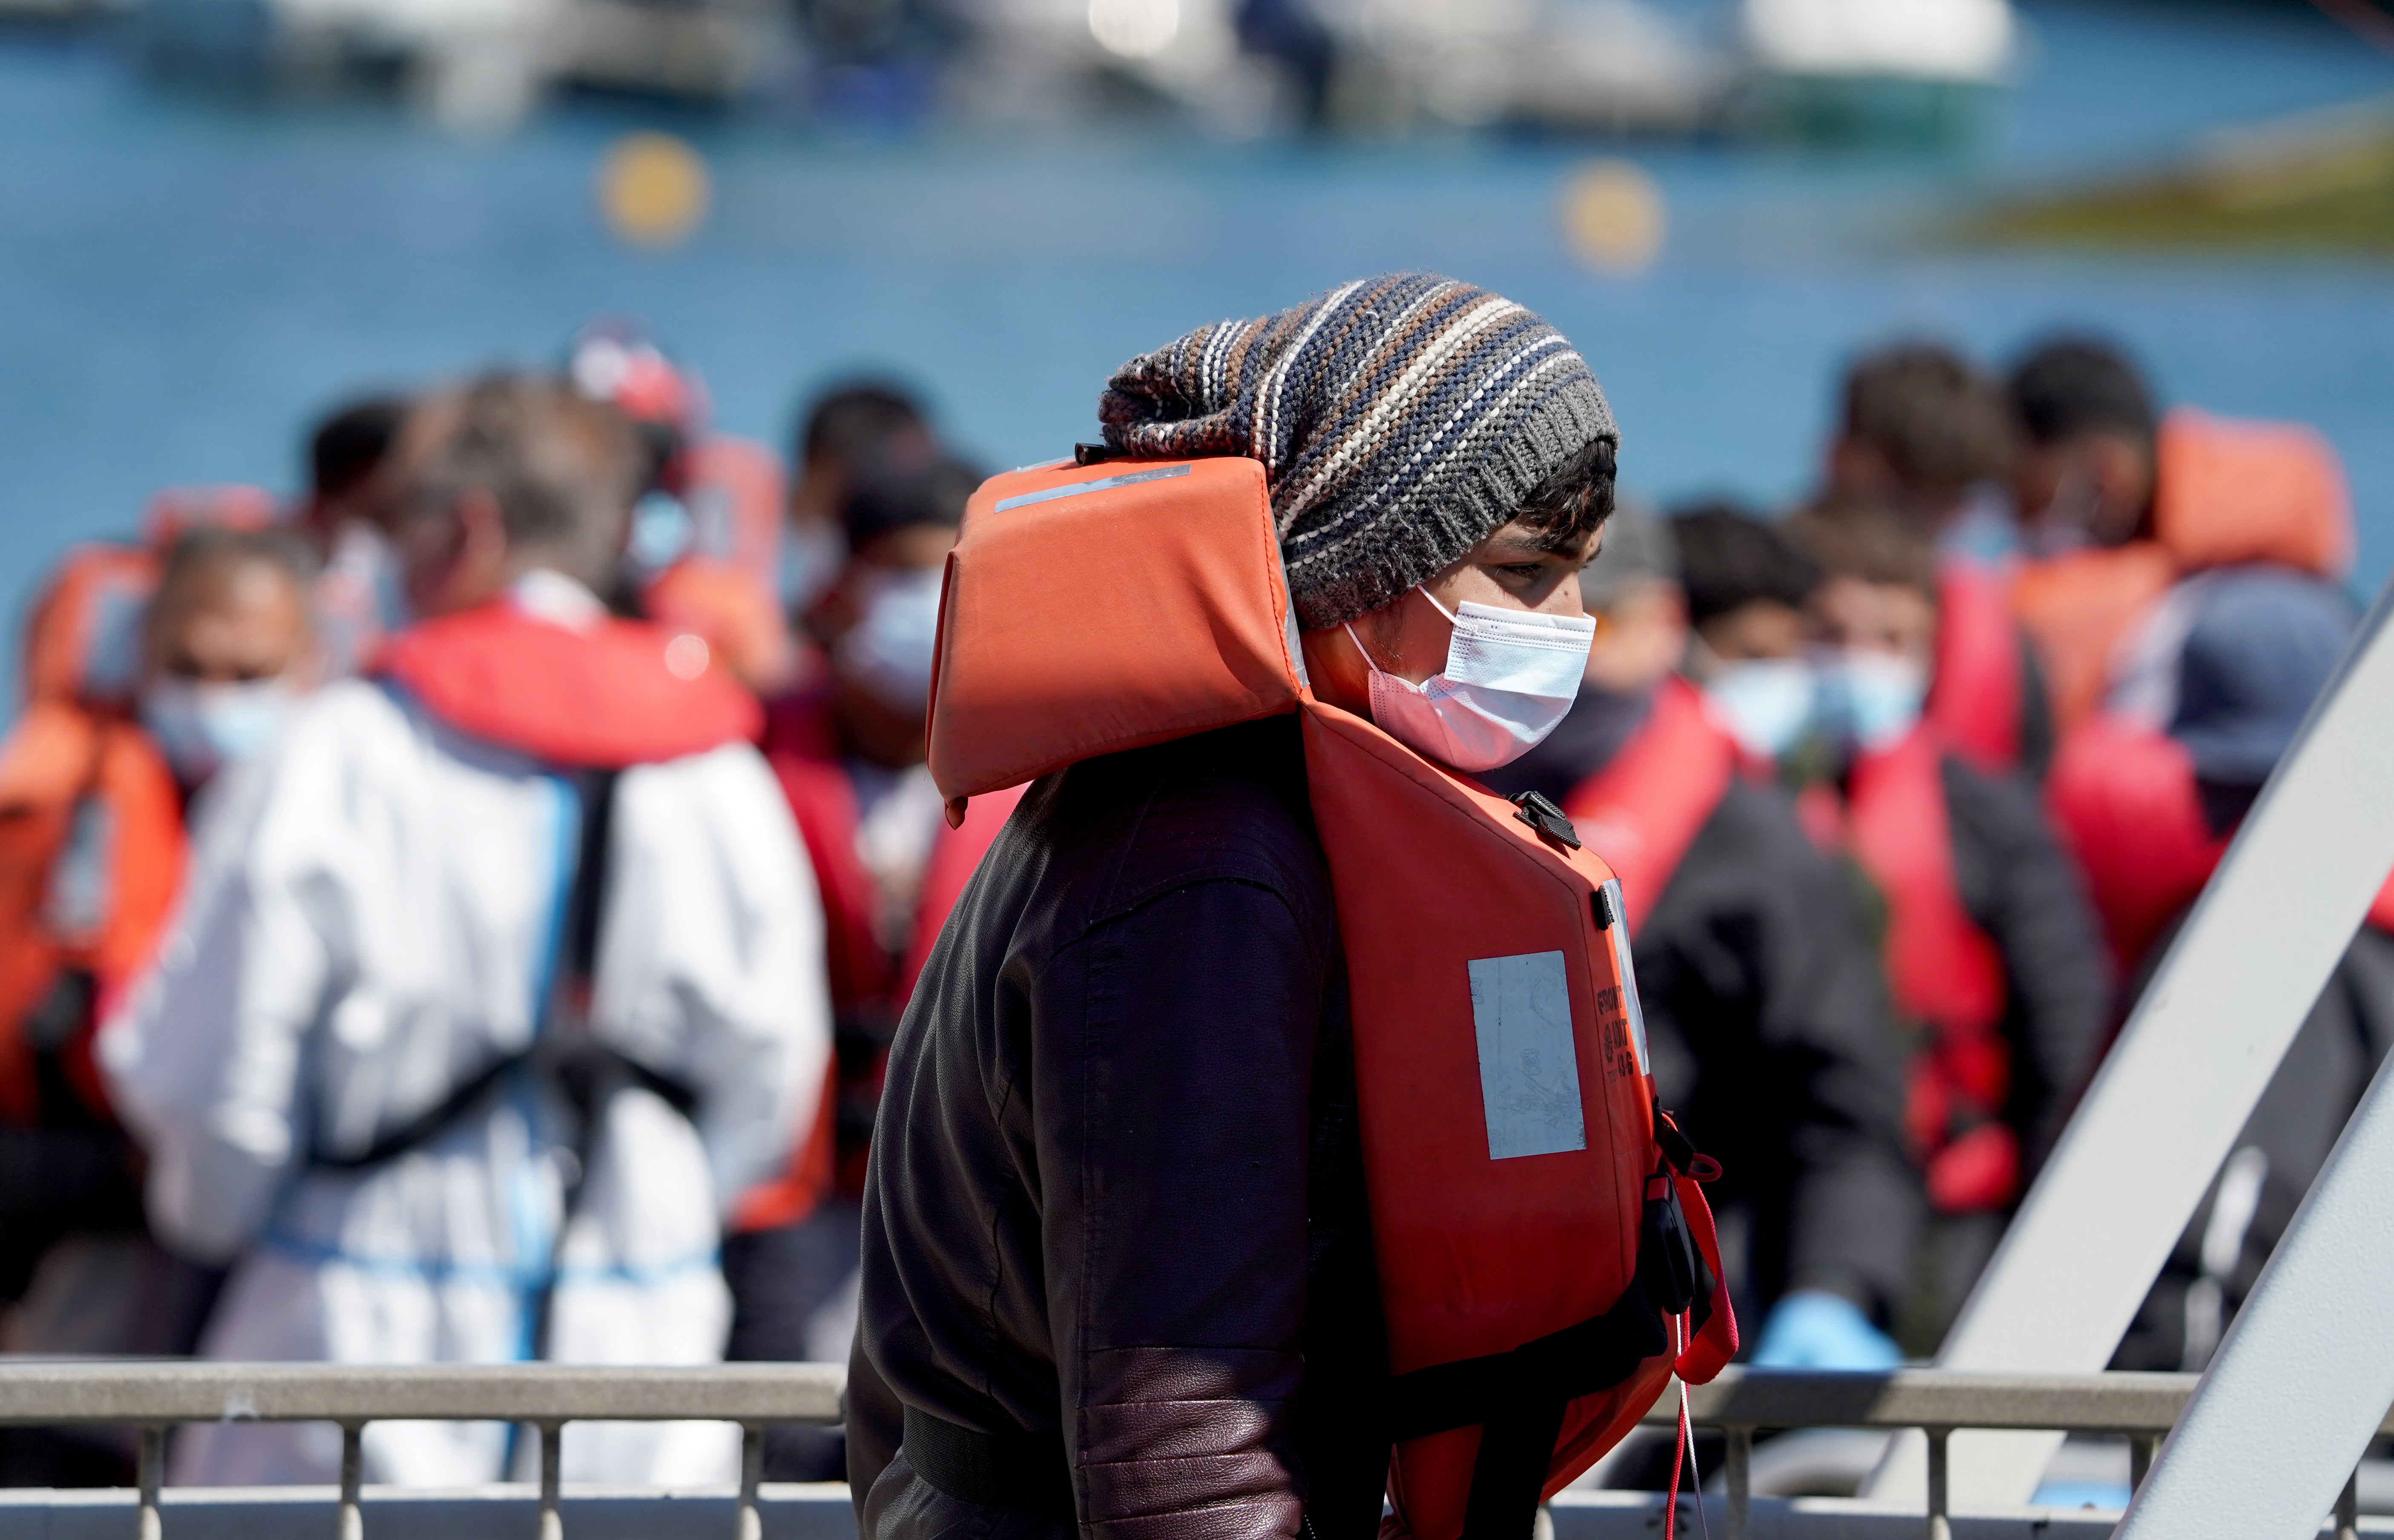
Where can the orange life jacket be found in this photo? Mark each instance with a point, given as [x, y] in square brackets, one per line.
[91, 831]
[863, 976]
[1510, 1150]
[1976, 698]
[2123, 798]
[1944, 972]
[737, 496]
[738, 618]
[2225, 493]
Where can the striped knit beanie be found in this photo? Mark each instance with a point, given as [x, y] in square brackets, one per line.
[1399, 420]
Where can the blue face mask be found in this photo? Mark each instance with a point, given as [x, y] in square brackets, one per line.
[1871, 699]
[1765, 703]
[891, 650]
[202, 728]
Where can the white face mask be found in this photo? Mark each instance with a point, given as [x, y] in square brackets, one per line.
[1511, 675]
[1870, 698]
[1765, 703]
[889, 651]
[202, 728]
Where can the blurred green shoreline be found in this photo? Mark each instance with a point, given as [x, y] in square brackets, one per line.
[2322, 182]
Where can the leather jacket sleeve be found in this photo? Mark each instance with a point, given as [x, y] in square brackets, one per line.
[1173, 1143]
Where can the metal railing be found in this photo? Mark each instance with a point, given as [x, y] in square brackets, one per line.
[153, 1396]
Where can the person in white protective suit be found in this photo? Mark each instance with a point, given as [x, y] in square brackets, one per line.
[494, 985]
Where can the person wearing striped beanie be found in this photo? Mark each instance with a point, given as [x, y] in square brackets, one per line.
[1417, 434]
[1117, 1271]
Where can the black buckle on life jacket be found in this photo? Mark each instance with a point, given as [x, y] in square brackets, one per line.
[1538, 811]
[1095, 455]
[1668, 1260]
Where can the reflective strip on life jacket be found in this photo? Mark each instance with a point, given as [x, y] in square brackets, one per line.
[1976, 697]
[1642, 810]
[1944, 972]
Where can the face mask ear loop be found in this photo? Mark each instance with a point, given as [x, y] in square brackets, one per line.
[1349, 629]
[1434, 604]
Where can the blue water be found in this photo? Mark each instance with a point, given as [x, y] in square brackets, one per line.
[183, 282]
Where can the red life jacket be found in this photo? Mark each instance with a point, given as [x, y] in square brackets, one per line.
[862, 975]
[1943, 971]
[1509, 1148]
[2123, 798]
[608, 695]
[1642, 810]
[1976, 700]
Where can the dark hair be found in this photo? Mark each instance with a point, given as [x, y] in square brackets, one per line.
[850, 421]
[1729, 559]
[564, 470]
[348, 444]
[213, 548]
[1941, 425]
[2070, 386]
[1859, 539]
[1571, 501]
[892, 495]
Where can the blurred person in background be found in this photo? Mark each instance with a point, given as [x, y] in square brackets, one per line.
[705, 550]
[2135, 519]
[1745, 605]
[1922, 432]
[495, 985]
[849, 755]
[851, 424]
[1768, 1019]
[231, 648]
[358, 598]
[1994, 956]
[2251, 664]
[95, 849]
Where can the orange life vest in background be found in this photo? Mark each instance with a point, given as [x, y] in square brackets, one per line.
[739, 620]
[736, 496]
[1523, 1217]
[1976, 697]
[1944, 972]
[1643, 809]
[2225, 493]
[91, 826]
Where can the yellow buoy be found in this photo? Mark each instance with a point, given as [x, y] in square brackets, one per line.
[652, 189]
[1612, 217]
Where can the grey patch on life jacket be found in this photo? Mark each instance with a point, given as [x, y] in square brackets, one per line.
[1529, 1066]
[1157, 473]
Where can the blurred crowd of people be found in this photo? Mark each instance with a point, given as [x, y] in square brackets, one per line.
[461, 915]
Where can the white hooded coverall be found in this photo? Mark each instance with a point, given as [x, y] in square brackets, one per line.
[372, 918]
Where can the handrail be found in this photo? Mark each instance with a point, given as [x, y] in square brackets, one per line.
[154, 1394]
[53, 1392]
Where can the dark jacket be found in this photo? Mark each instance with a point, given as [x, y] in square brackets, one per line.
[1116, 1187]
[1771, 1034]
[2023, 891]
